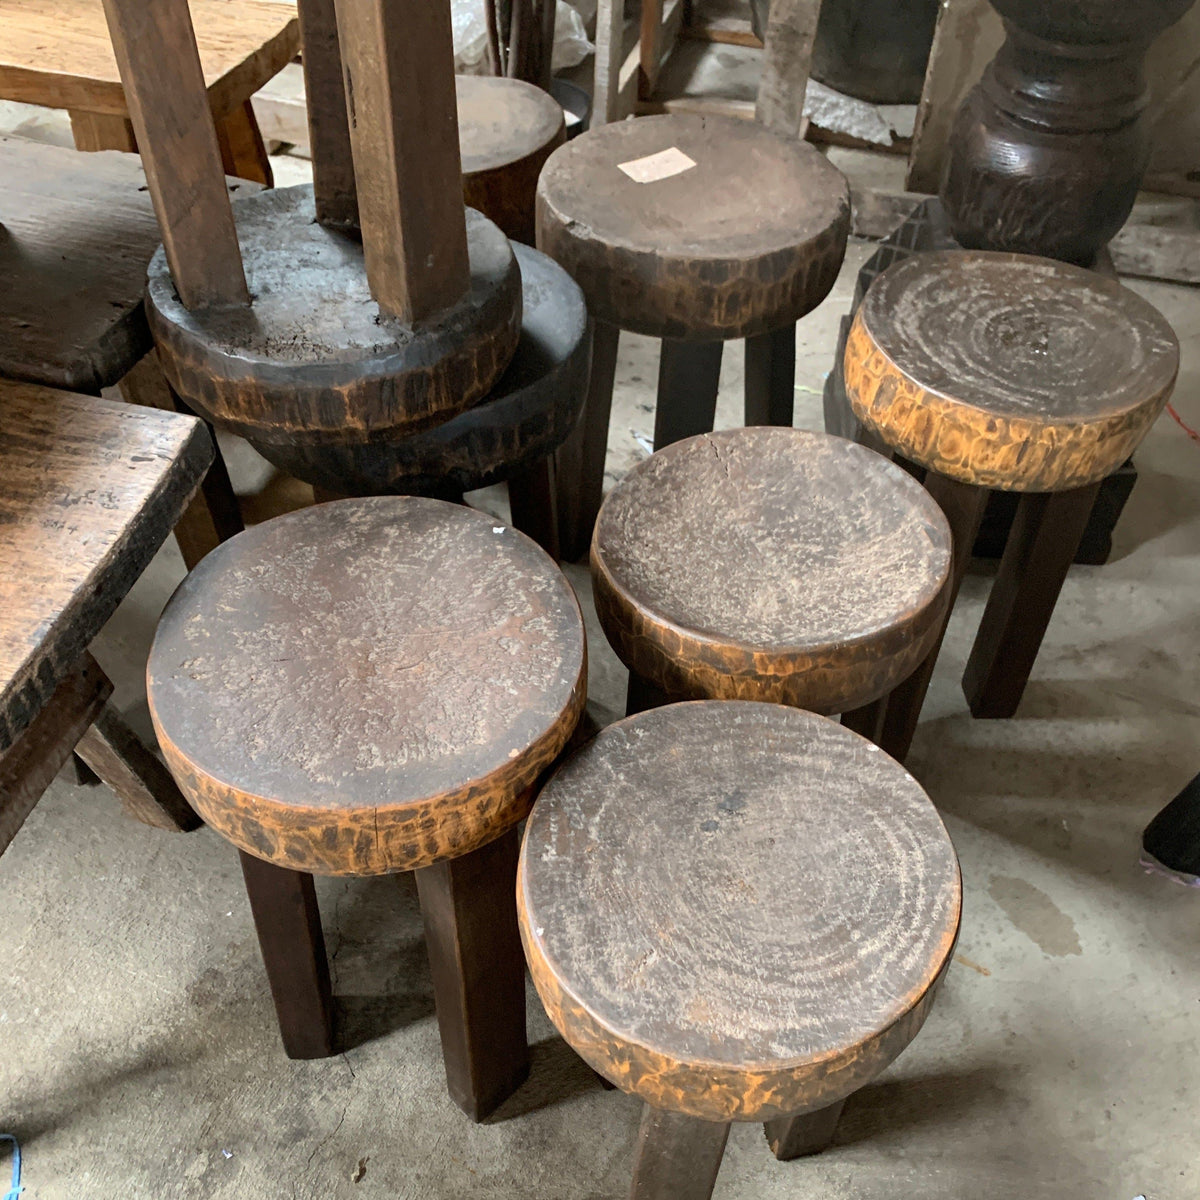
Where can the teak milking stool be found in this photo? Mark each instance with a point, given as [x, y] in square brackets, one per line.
[366, 687]
[737, 912]
[1021, 374]
[770, 564]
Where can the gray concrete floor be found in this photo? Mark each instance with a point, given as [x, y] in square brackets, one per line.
[139, 1057]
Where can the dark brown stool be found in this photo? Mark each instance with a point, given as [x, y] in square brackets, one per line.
[737, 912]
[366, 687]
[729, 231]
[507, 129]
[770, 564]
[1020, 374]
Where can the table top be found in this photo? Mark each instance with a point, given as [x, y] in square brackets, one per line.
[736, 910]
[57, 53]
[91, 490]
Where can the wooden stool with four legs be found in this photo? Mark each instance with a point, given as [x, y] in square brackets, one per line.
[366, 687]
[737, 912]
[989, 370]
[770, 564]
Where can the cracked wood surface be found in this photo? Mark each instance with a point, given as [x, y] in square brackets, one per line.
[749, 239]
[1008, 371]
[367, 686]
[736, 911]
[771, 564]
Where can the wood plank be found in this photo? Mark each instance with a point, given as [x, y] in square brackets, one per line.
[727, 31]
[787, 56]
[91, 490]
[57, 53]
[650, 44]
[243, 152]
[398, 60]
[610, 45]
[156, 53]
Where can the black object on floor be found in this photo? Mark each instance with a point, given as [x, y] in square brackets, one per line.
[1172, 839]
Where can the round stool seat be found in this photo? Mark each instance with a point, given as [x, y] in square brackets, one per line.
[736, 911]
[526, 416]
[368, 685]
[771, 564]
[313, 359]
[1008, 371]
[507, 129]
[729, 232]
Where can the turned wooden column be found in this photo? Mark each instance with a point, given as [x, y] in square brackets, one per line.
[1048, 150]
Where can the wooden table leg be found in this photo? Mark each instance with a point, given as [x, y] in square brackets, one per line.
[963, 505]
[531, 503]
[771, 377]
[688, 376]
[102, 131]
[809, 1133]
[678, 1157]
[1041, 547]
[470, 910]
[284, 904]
[243, 152]
[579, 462]
[867, 719]
[641, 694]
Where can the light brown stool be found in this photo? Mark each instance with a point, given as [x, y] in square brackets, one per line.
[736, 912]
[1016, 373]
[770, 564]
[366, 687]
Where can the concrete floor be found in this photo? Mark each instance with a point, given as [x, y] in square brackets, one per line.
[139, 1057]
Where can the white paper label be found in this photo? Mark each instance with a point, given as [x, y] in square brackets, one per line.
[653, 167]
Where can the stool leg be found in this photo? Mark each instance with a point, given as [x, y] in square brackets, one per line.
[771, 377]
[868, 719]
[963, 505]
[470, 910]
[531, 502]
[688, 377]
[579, 462]
[642, 694]
[678, 1157]
[284, 904]
[1041, 547]
[809, 1133]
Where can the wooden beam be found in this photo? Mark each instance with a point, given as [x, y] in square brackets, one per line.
[787, 56]
[156, 54]
[610, 43]
[398, 64]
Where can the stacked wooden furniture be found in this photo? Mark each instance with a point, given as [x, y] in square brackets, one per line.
[736, 912]
[372, 686]
[1004, 371]
[695, 230]
[91, 490]
[57, 53]
[78, 234]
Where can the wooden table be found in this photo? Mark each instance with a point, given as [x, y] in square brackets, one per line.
[57, 53]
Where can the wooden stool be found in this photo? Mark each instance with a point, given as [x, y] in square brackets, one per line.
[506, 131]
[770, 564]
[729, 230]
[57, 53]
[1016, 373]
[91, 490]
[738, 912]
[372, 686]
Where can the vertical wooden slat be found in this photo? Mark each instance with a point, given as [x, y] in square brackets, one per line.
[610, 29]
[650, 45]
[398, 63]
[787, 55]
[156, 54]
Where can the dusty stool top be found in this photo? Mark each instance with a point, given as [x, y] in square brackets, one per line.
[771, 564]
[1008, 371]
[736, 911]
[368, 685]
[729, 230]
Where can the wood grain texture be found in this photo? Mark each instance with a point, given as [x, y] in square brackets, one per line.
[507, 130]
[398, 64]
[1007, 371]
[787, 56]
[316, 359]
[526, 416]
[155, 49]
[771, 564]
[678, 1157]
[57, 53]
[749, 239]
[793, 946]
[367, 686]
[79, 231]
[91, 490]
